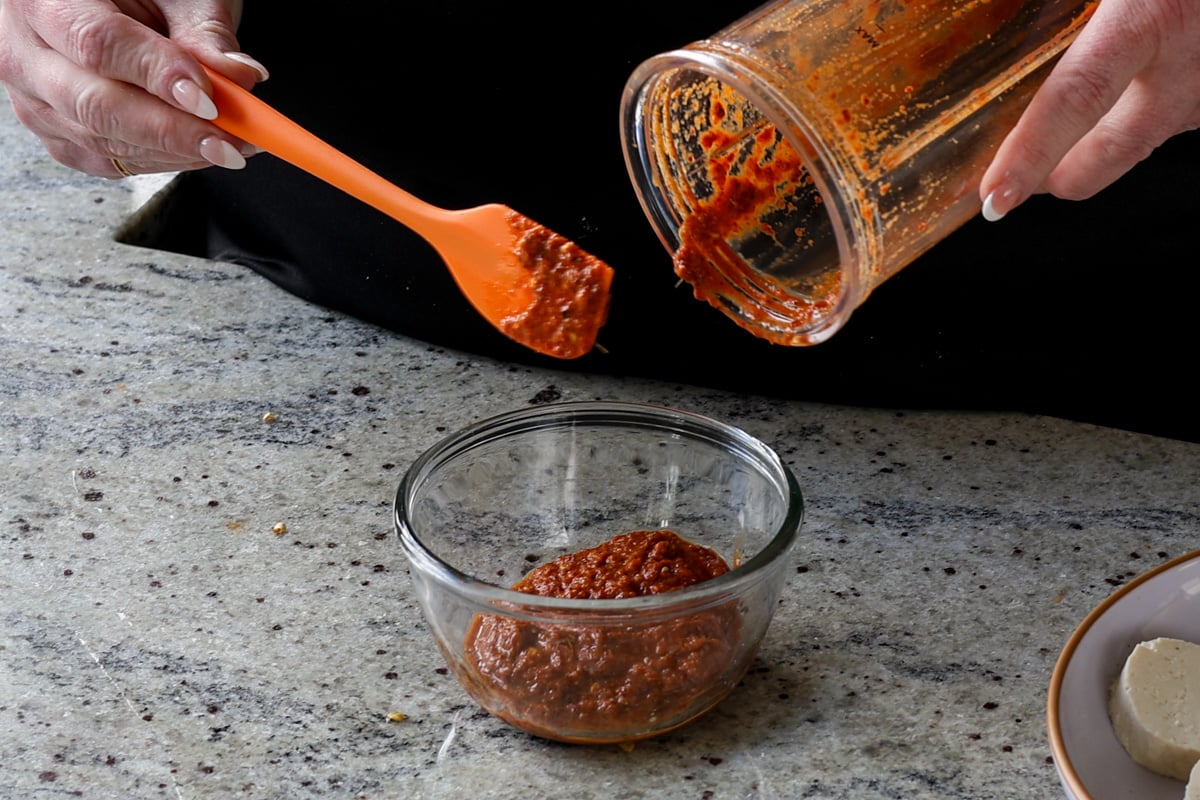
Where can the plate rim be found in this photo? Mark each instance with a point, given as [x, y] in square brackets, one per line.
[1062, 760]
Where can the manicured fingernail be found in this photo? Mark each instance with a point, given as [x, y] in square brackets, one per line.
[193, 99]
[999, 202]
[252, 63]
[248, 149]
[989, 209]
[221, 153]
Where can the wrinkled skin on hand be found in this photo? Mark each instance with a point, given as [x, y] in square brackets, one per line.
[1129, 82]
[98, 79]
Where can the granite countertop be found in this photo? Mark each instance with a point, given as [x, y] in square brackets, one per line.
[163, 640]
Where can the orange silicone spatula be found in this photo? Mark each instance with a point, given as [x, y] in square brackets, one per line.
[535, 286]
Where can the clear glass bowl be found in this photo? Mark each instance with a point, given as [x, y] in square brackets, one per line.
[486, 505]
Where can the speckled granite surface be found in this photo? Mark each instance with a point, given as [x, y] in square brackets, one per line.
[160, 640]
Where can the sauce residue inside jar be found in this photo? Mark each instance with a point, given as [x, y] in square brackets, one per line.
[746, 187]
[563, 681]
[786, 246]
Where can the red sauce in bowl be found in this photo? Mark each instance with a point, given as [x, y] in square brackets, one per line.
[608, 681]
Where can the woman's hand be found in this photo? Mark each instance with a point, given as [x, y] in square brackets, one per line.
[1129, 82]
[115, 87]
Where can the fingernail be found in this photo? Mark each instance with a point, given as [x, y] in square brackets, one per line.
[989, 209]
[221, 153]
[193, 99]
[250, 62]
[248, 149]
[999, 202]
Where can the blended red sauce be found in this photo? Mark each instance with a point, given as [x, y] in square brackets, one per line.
[568, 681]
[570, 289]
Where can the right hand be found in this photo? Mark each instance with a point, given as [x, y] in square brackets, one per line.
[1129, 82]
[111, 83]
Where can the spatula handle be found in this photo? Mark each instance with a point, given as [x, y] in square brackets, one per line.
[245, 116]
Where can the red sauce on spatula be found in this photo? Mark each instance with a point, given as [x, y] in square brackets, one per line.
[570, 289]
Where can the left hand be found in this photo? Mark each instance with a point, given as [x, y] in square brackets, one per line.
[113, 87]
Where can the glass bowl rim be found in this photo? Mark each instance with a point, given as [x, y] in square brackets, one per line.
[649, 416]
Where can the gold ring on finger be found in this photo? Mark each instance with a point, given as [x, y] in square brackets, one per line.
[121, 168]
